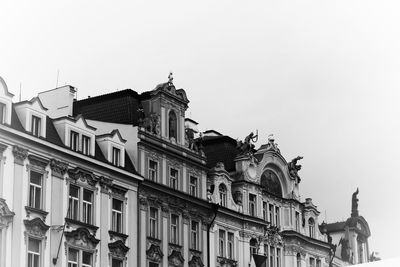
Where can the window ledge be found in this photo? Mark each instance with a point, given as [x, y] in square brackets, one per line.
[79, 223]
[30, 210]
[226, 261]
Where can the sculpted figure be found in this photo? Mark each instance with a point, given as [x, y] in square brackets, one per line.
[294, 168]
[247, 146]
[354, 204]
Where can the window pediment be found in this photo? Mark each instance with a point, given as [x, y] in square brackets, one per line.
[154, 253]
[82, 175]
[81, 237]
[36, 227]
[176, 259]
[118, 249]
[6, 215]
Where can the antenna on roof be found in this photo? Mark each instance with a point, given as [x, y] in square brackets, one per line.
[20, 85]
[326, 220]
[58, 74]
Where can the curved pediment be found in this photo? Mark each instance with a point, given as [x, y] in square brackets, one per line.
[118, 248]
[4, 88]
[81, 237]
[360, 224]
[36, 227]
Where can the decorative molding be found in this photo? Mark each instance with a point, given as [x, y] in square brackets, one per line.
[226, 262]
[83, 175]
[20, 154]
[143, 203]
[81, 237]
[196, 261]
[30, 210]
[3, 147]
[105, 184]
[38, 162]
[36, 228]
[154, 253]
[58, 168]
[6, 215]
[176, 259]
[118, 249]
[117, 236]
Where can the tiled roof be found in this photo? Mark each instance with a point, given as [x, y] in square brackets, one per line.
[116, 107]
[15, 122]
[51, 133]
[220, 149]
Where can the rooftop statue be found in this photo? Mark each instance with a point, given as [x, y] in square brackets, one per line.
[294, 168]
[271, 144]
[354, 204]
[170, 79]
[246, 146]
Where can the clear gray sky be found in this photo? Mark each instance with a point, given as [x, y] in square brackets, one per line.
[322, 76]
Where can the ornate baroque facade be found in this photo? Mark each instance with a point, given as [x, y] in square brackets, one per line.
[124, 179]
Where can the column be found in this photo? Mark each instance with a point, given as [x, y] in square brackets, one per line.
[186, 234]
[184, 187]
[164, 173]
[132, 227]
[163, 123]
[143, 230]
[57, 199]
[164, 234]
[204, 239]
[20, 155]
[2, 163]
[104, 209]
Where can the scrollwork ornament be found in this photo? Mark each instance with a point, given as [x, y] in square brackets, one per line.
[20, 154]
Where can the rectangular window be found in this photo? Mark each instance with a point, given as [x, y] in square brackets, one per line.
[85, 144]
[153, 222]
[278, 257]
[271, 214]
[87, 206]
[271, 256]
[153, 264]
[35, 190]
[87, 259]
[297, 221]
[318, 263]
[221, 243]
[252, 204]
[153, 170]
[116, 263]
[117, 218]
[266, 251]
[116, 156]
[2, 113]
[312, 262]
[36, 125]
[73, 202]
[193, 186]
[33, 252]
[265, 211]
[277, 216]
[73, 256]
[174, 229]
[231, 243]
[74, 141]
[194, 235]
[173, 178]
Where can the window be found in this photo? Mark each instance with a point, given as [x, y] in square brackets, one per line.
[265, 211]
[278, 257]
[78, 258]
[271, 256]
[35, 190]
[271, 214]
[312, 262]
[221, 243]
[74, 141]
[318, 263]
[153, 264]
[277, 220]
[153, 170]
[298, 260]
[311, 227]
[2, 113]
[153, 222]
[297, 221]
[266, 251]
[231, 243]
[222, 195]
[253, 246]
[252, 204]
[174, 229]
[80, 204]
[85, 144]
[33, 252]
[116, 263]
[173, 178]
[36, 124]
[193, 186]
[116, 156]
[172, 125]
[117, 218]
[194, 235]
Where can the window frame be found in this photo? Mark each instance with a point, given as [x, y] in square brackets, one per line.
[194, 235]
[253, 205]
[153, 171]
[86, 140]
[223, 195]
[34, 253]
[114, 227]
[74, 140]
[171, 178]
[153, 230]
[116, 156]
[221, 243]
[174, 239]
[80, 203]
[36, 186]
[36, 125]
[230, 246]
[79, 262]
[3, 112]
[311, 227]
[193, 187]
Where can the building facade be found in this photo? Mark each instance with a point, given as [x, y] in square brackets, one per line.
[125, 179]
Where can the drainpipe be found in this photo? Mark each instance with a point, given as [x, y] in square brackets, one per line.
[214, 208]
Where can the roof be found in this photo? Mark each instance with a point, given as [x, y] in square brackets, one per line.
[335, 227]
[220, 149]
[116, 107]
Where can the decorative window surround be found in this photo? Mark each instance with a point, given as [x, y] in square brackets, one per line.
[107, 143]
[28, 110]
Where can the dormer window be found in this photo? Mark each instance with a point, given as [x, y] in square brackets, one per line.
[222, 195]
[36, 126]
[2, 113]
[74, 141]
[311, 227]
[85, 144]
[116, 156]
[172, 125]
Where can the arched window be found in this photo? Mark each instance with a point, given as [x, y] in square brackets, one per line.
[311, 227]
[222, 195]
[172, 125]
[298, 260]
[253, 246]
[270, 182]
